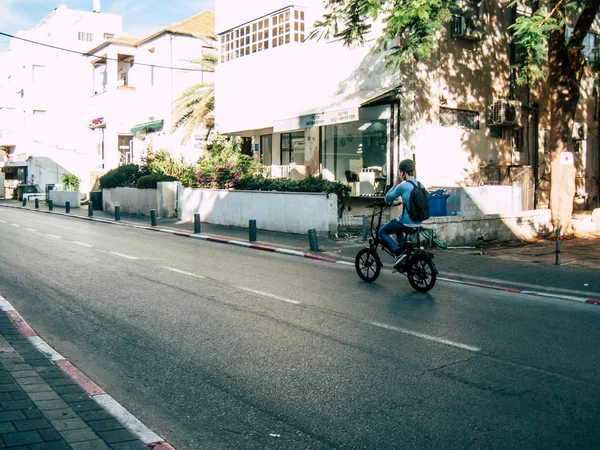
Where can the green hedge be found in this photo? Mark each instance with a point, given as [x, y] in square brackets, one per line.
[122, 176]
[151, 181]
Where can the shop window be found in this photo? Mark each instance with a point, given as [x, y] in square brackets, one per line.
[125, 149]
[266, 149]
[292, 148]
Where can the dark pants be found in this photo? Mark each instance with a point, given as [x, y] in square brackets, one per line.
[396, 227]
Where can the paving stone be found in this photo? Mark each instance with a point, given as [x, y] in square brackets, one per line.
[75, 397]
[132, 445]
[50, 435]
[7, 427]
[99, 414]
[39, 362]
[47, 395]
[14, 405]
[69, 424]
[21, 371]
[69, 389]
[29, 381]
[59, 382]
[22, 438]
[31, 424]
[45, 405]
[42, 387]
[33, 414]
[105, 425]
[56, 445]
[88, 405]
[19, 395]
[114, 436]
[91, 445]
[9, 387]
[6, 416]
[85, 434]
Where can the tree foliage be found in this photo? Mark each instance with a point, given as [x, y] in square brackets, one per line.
[410, 25]
[195, 107]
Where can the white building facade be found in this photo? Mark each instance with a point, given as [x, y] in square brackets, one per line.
[42, 130]
[77, 95]
[133, 86]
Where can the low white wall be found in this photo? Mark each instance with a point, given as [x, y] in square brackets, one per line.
[466, 230]
[131, 200]
[141, 201]
[59, 198]
[289, 212]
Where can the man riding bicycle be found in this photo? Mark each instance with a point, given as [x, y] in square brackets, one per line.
[400, 194]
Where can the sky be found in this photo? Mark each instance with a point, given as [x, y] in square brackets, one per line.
[140, 17]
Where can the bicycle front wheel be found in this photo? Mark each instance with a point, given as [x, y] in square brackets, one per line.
[367, 265]
[421, 273]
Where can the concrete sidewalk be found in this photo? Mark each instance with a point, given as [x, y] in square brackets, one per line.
[522, 267]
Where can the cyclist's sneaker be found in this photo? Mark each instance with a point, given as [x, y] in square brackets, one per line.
[399, 261]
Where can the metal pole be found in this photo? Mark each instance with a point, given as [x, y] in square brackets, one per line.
[37, 203]
[153, 217]
[252, 237]
[312, 240]
[50, 207]
[196, 223]
[90, 209]
[24, 201]
[365, 227]
[67, 207]
[117, 213]
[558, 239]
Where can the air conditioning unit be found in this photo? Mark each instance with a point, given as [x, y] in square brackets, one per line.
[466, 27]
[506, 112]
[579, 131]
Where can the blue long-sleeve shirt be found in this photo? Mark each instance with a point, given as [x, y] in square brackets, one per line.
[402, 190]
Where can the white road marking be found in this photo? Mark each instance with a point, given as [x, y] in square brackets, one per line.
[426, 336]
[127, 419]
[53, 236]
[83, 244]
[122, 255]
[16, 225]
[266, 294]
[2, 221]
[183, 272]
[33, 230]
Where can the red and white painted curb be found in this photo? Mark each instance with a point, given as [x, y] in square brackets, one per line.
[130, 422]
[498, 287]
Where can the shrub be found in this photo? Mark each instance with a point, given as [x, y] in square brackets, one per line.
[122, 176]
[309, 184]
[150, 181]
[70, 181]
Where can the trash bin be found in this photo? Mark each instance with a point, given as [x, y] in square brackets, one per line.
[25, 189]
[437, 203]
[96, 199]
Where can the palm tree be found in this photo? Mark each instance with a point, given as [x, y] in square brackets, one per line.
[195, 107]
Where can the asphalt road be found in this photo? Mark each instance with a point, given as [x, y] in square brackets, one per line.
[221, 347]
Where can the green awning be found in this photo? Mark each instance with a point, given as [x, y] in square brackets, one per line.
[148, 126]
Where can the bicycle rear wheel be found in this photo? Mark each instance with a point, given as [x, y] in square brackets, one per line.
[367, 265]
[421, 273]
